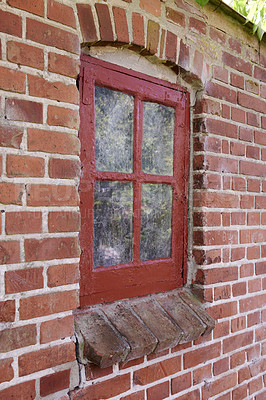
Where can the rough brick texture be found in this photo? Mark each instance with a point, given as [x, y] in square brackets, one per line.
[40, 44]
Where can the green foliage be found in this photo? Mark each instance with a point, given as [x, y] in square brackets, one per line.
[253, 10]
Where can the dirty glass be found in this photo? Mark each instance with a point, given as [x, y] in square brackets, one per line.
[156, 221]
[113, 223]
[158, 139]
[114, 124]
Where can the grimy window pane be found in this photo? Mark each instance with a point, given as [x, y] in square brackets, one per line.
[113, 223]
[158, 139]
[156, 221]
[114, 125]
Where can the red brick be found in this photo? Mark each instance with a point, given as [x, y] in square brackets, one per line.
[238, 324]
[260, 202]
[237, 63]
[217, 35]
[251, 168]
[9, 252]
[175, 16]
[12, 80]
[61, 13]
[215, 200]
[105, 25]
[252, 86]
[22, 391]
[10, 193]
[62, 168]
[223, 310]
[121, 26]
[32, 6]
[46, 304]
[211, 389]
[51, 248]
[59, 116]
[253, 218]
[253, 252]
[252, 119]
[215, 275]
[198, 63]
[221, 128]
[138, 29]
[221, 366]
[64, 221]
[46, 358]
[63, 65]
[260, 268]
[7, 311]
[153, 31]
[252, 303]
[23, 280]
[193, 358]
[24, 166]
[251, 102]
[10, 23]
[238, 183]
[151, 6]
[260, 333]
[24, 54]
[237, 359]
[10, 137]
[202, 374]
[53, 142]
[246, 134]
[222, 292]
[238, 218]
[237, 253]
[52, 36]
[16, 338]
[252, 236]
[157, 371]
[197, 26]
[58, 328]
[194, 395]
[260, 137]
[220, 73]
[65, 274]
[170, 46]
[226, 111]
[92, 372]
[235, 45]
[184, 59]
[136, 396]
[243, 374]
[237, 80]
[104, 390]
[239, 393]
[255, 284]
[246, 270]
[253, 185]
[52, 195]
[181, 383]
[24, 110]
[260, 74]
[239, 289]
[54, 382]
[6, 370]
[253, 319]
[221, 92]
[255, 385]
[39, 87]
[238, 115]
[215, 238]
[23, 222]
[86, 22]
[246, 201]
[158, 392]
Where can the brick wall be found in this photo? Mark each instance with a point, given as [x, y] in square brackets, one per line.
[225, 68]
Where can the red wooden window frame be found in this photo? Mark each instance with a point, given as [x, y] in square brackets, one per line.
[137, 277]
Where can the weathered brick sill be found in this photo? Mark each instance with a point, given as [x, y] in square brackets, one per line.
[128, 329]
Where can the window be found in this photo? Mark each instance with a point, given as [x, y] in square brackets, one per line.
[133, 190]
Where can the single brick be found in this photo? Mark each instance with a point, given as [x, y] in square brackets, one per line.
[7, 311]
[9, 252]
[121, 26]
[24, 110]
[197, 26]
[10, 23]
[170, 46]
[175, 16]
[25, 390]
[66, 117]
[51, 248]
[86, 21]
[10, 136]
[61, 13]
[193, 358]
[12, 80]
[184, 60]
[62, 168]
[46, 358]
[237, 63]
[54, 382]
[58, 328]
[53, 142]
[181, 383]
[151, 6]
[160, 391]
[138, 29]
[46, 304]
[32, 6]
[24, 54]
[23, 222]
[6, 370]
[24, 166]
[16, 338]
[52, 195]
[63, 65]
[157, 371]
[153, 36]
[64, 221]
[105, 25]
[23, 280]
[65, 274]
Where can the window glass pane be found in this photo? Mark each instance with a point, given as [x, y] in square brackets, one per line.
[114, 124]
[113, 223]
[156, 221]
[158, 139]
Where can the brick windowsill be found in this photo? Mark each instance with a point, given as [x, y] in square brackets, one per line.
[128, 329]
